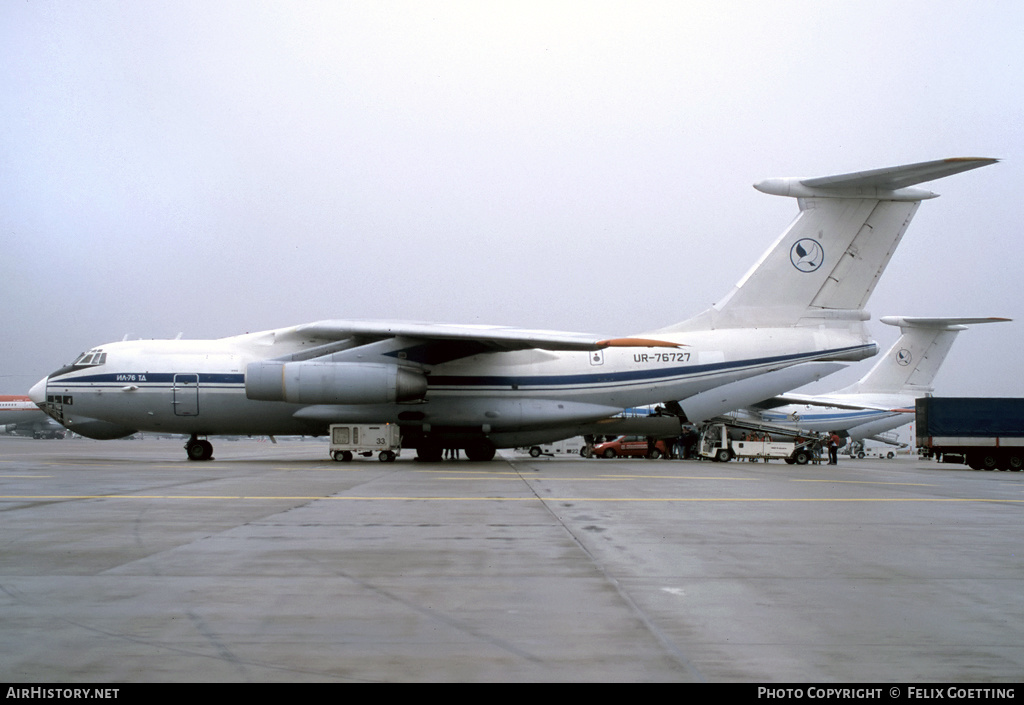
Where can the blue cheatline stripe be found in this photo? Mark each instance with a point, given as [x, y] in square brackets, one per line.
[122, 378]
[835, 416]
[593, 378]
[630, 376]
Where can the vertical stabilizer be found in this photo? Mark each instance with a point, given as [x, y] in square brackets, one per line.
[826, 264]
[910, 365]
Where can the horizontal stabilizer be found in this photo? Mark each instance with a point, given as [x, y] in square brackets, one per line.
[897, 177]
[939, 323]
[888, 183]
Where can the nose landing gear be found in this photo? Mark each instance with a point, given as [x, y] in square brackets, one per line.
[198, 449]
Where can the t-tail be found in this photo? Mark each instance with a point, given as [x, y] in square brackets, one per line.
[824, 267]
[911, 363]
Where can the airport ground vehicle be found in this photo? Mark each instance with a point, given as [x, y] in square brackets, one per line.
[629, 447]
[859, 449]
[570, 446]
[862, 452]
[987, 433]
[722, 441]
[366, 439]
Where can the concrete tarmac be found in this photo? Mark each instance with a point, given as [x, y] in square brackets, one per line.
[123, 562]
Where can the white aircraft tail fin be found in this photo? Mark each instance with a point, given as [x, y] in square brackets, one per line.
[911, 363]
[827, 263]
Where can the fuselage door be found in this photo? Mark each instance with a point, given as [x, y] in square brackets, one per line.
[185, 395]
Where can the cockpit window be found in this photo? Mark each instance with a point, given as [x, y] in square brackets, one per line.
[93, 358]
[90, 359]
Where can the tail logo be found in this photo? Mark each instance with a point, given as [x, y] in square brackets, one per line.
[903, 357]
[806, 255]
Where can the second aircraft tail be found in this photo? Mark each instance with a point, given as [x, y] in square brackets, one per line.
[911, 363]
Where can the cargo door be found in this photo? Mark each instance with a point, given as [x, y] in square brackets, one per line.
[185, 395]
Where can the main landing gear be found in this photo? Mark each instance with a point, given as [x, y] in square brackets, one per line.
[479, 450]
[198, 449]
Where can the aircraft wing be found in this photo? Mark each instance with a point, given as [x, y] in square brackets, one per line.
[809, 400]
[446, 341]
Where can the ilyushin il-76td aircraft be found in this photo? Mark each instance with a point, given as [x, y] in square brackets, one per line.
[797, 314]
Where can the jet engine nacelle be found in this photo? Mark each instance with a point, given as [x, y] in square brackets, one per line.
[314, 382]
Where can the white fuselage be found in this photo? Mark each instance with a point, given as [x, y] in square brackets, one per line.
[859, 424]
[198, 386]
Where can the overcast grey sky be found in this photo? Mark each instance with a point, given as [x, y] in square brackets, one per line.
[214, 168]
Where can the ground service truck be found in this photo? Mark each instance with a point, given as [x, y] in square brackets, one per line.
[985, 433]
[722, 440]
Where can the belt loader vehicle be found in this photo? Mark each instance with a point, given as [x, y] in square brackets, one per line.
[724, 440]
